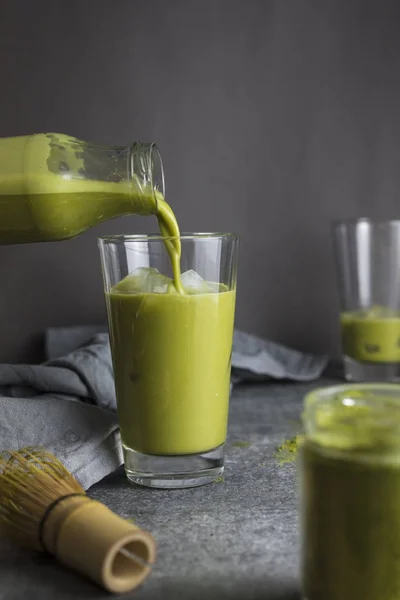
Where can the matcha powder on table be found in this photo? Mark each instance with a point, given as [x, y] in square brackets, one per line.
[287, 452]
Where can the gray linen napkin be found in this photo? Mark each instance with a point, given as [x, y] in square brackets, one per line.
[68, 403]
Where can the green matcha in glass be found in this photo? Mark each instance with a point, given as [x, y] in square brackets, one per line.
[368, 266]
[171, 343]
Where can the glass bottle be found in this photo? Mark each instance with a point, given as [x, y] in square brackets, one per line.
[350, 493]
[53, 186]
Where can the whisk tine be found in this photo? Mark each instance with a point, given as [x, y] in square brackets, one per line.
[36, 479]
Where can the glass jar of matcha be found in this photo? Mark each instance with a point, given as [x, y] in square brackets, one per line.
[53, 186]
[350, 493]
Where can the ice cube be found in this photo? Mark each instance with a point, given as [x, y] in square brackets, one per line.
[139, 276]
[156, 282]
[193, 283]
[160, 289]
[378, 312]
[143, 279]
[382, 312]
[213, 286]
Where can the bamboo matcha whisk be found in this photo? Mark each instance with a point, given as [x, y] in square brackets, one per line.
[44, 508]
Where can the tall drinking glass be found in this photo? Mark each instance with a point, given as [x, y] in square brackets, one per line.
[171, 354]
[368, 266]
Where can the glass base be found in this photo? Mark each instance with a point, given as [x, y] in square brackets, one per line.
[357, 371]
[174, 472]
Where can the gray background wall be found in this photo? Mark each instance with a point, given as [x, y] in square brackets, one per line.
[273, 117]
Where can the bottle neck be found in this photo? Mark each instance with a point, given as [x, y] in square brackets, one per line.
[145, 174]
[137, 168]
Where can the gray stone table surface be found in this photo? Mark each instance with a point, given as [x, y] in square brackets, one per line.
[233, 540]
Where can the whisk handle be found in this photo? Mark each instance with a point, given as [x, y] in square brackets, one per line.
[96, 542]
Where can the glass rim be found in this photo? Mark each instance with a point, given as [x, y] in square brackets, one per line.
[319, 397]
[325, 414]
[323, 393]
[354, 221]
[157, 237]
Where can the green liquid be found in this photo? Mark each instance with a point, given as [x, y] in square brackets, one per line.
[351, 504]
[352, 520]
[172, 360]
[368, 336]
